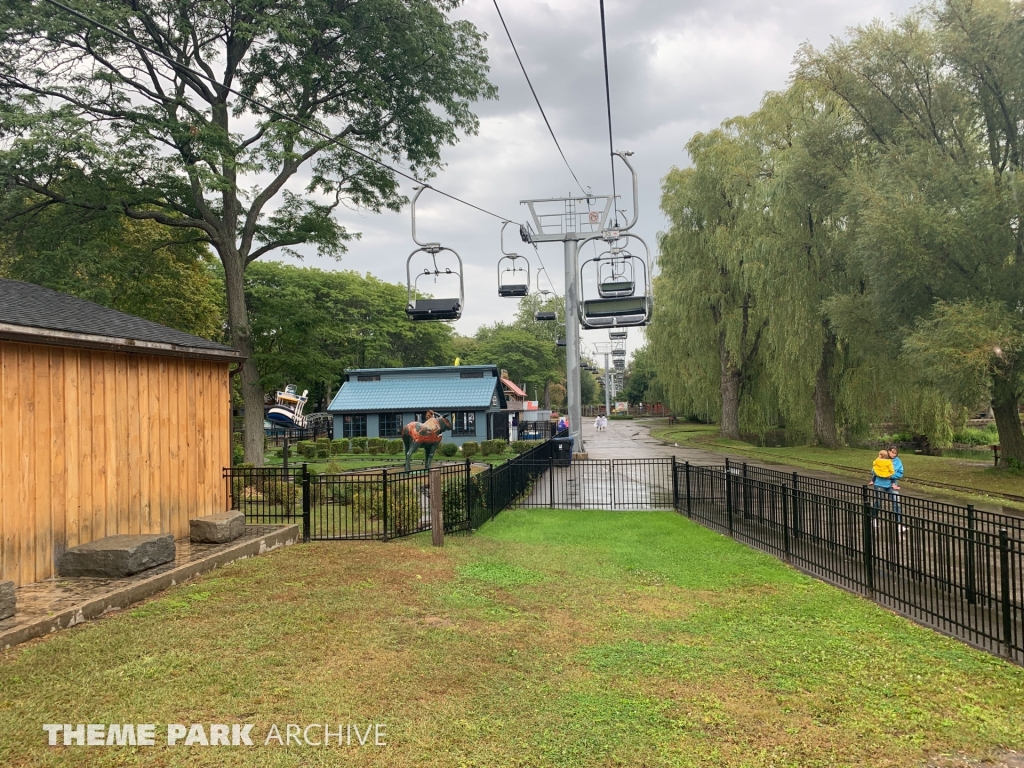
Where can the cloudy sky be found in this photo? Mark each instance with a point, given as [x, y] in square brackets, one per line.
[677, 67]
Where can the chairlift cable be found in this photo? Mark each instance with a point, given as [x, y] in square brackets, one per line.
[537, 98]
[608, 99]
[181, 68]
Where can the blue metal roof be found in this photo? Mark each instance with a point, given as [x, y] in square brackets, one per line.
[416, 393]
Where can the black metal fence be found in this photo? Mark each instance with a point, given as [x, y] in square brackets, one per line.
[381, 503]
[952, 568]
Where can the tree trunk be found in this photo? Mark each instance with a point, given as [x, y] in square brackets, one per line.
[1005, 402]
[730, 389]
[825, 433]
[547, 395]
[238, 320]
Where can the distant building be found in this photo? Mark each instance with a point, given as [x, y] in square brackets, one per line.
[378, 402]
[109, 424]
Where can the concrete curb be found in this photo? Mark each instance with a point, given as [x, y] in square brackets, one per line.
[123, 596]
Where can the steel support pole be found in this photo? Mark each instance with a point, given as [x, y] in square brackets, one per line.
[607, 388]
[572, 346]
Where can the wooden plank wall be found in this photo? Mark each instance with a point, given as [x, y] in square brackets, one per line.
[96, 443]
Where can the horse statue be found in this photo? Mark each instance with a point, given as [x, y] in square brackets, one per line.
[425, 435]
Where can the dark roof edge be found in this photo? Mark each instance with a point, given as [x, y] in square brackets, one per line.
[427, 368]
[28, 335]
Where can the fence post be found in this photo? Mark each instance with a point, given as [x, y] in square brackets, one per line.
[785, 518]
[689, 501]
[436, 507]
[551, 479]
[305, 502]
[1004, 590]
[469, 500]
[284, 459]
[868, 543]
[746, 493]
[384, 499]
[675, 485]
[972, 596]
[728, 493]
[797, 507]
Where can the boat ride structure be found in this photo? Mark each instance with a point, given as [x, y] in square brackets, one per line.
[287, 408]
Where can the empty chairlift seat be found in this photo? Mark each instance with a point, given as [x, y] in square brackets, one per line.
[434, 309]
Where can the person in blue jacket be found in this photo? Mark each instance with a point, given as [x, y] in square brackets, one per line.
[894, 487]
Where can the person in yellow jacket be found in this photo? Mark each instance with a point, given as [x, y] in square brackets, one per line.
[882, 469]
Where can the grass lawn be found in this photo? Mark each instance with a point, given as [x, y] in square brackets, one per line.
[545, 639]
[855, 462]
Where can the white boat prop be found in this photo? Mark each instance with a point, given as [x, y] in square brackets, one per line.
[287, 408]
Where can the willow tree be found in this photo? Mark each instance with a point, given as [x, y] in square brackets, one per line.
[709, 329]
[146, 121]
[940, 96]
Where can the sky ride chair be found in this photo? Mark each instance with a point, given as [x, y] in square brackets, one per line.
[618, 334]
[622, 283]
[544, 315]
[418, 308]
[513, 272]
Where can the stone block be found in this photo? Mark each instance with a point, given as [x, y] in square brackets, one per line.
[7, 599]
[118, 556]
[217, 528]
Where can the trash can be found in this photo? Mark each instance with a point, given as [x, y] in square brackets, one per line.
[562, 451]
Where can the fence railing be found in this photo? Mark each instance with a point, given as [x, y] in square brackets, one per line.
[381, 503]
[949, 567]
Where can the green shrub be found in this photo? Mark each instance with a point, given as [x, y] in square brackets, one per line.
[339, 447]
[522, 446]
[396, 447]
[323, 447]
[306, 449]
[374, 445]
[448, 449]
[358, 445]
[237, 454]
[470, 449]
[975, 436]
[486, 447]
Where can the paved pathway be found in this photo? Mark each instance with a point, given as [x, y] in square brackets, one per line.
[632, 440]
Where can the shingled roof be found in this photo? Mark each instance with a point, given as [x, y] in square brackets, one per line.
[33, 314]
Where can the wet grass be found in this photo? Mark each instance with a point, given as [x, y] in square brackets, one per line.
[545, 639]
[856, 463]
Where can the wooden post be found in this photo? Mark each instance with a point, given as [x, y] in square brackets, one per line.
[436, 509]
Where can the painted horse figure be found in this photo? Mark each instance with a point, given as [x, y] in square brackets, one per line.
[425, 435]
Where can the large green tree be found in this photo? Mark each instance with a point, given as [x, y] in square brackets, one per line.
[128, 265]
[713, 313]
[939, 96]
[309, 325]
[146, 123]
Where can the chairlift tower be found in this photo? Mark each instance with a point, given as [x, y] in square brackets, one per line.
[571, 220]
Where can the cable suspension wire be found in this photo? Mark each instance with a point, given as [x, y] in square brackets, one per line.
[537, 98]
[266, 107]
[608, 99]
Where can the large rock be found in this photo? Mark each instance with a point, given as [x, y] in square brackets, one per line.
[118, 556]
[217, 528]
[7, 599]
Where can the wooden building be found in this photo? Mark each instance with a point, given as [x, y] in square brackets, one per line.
[108, 424]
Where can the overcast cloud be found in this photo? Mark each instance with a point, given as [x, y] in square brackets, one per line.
[676, 68]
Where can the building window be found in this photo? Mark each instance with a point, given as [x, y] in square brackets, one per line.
[367, 378]
[472, 375]
[354, 426]
[464, 424]
[390, 425]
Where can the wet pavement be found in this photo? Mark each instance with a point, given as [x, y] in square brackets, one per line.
[632, 440]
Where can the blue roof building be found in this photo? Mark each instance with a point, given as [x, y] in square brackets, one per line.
[378, 402]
